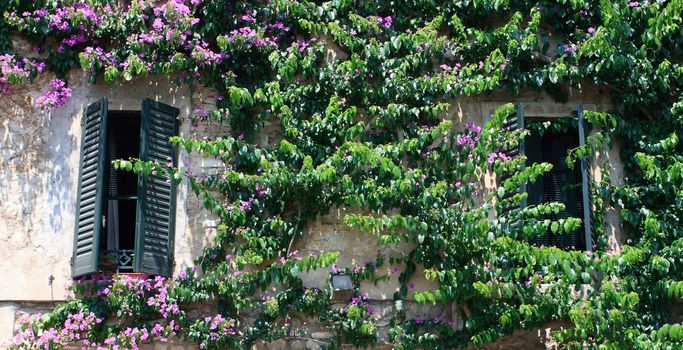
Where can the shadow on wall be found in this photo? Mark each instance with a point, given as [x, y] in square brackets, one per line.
[38, 172]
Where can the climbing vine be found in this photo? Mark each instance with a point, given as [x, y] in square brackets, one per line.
[366, 127]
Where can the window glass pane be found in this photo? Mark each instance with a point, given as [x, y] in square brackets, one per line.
[123, 142]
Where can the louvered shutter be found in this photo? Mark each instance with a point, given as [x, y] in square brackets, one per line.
[585, 184]
[560, 185]
[91, 189]
[534, 151]
[156, 204]
[513, 122]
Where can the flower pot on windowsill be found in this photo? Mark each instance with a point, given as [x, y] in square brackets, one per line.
[107, 266]
[135, 275]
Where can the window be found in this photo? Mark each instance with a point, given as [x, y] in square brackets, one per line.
[562, 184]
[118, 235]
[120, 214]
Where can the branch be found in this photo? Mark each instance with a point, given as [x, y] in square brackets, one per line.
[621, 91]
[541, 57]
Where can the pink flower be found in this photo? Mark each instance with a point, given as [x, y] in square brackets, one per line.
[55, 97]
[158, 24]
[386, 22]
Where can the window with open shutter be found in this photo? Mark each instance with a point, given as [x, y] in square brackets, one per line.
[156, 207]
[125, 221]
[563, 184]
[91, 190]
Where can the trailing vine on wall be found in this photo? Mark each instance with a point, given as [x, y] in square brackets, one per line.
[368, 130]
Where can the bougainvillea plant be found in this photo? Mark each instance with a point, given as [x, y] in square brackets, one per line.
[368, 129]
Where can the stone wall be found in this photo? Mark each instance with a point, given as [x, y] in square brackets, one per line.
[39, 156]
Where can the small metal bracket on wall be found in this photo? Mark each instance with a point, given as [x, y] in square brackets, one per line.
[49, 283]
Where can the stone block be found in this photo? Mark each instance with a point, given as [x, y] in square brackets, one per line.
[323, 335]
[312, 345]
[160, 346]
[298, 345]
[7, 321]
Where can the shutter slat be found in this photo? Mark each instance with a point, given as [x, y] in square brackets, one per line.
[90, 190]
[585, 185]
[513, 122]
[156, 207]
[560, 184]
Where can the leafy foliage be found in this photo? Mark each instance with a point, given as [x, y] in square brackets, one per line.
[366, 127]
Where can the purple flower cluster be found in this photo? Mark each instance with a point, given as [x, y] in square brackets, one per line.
[79, 15]
[72, 41]
[360, 300]
[250, 37]
[246, 205]
[303, 44]
[493, 155]
[312, 295]
[160, 299]
[260, 190]
[385, 22]
[530, 280]
[470, 137]
[55, 97]
[205, 56]
[569, 48]
[219, 325]
[16, 72]
[97, 54]
[448, 69]
[75, 329]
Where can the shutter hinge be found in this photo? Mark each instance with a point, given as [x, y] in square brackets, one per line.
[104, 221]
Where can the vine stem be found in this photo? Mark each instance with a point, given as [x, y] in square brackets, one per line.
[621, 91]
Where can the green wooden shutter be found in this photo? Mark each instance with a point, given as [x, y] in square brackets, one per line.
[155, 225]
[533, 145]
[585, 184]
[522, 148]
[560, 184]
[515, 121]
[91, 189]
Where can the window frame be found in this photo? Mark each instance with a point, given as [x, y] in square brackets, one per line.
[159, 122]
[516, 121]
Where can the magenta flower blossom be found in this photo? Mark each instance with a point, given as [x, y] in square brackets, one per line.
[246, 205]
[55, 97]
[158, 24]
[569, 48]
[385, 22]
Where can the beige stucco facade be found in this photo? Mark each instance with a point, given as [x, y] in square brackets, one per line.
[39, 158]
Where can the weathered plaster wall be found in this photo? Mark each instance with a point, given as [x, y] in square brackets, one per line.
[39, 157]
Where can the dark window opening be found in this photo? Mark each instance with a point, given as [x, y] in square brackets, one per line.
[118, 234]
[562, 184]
